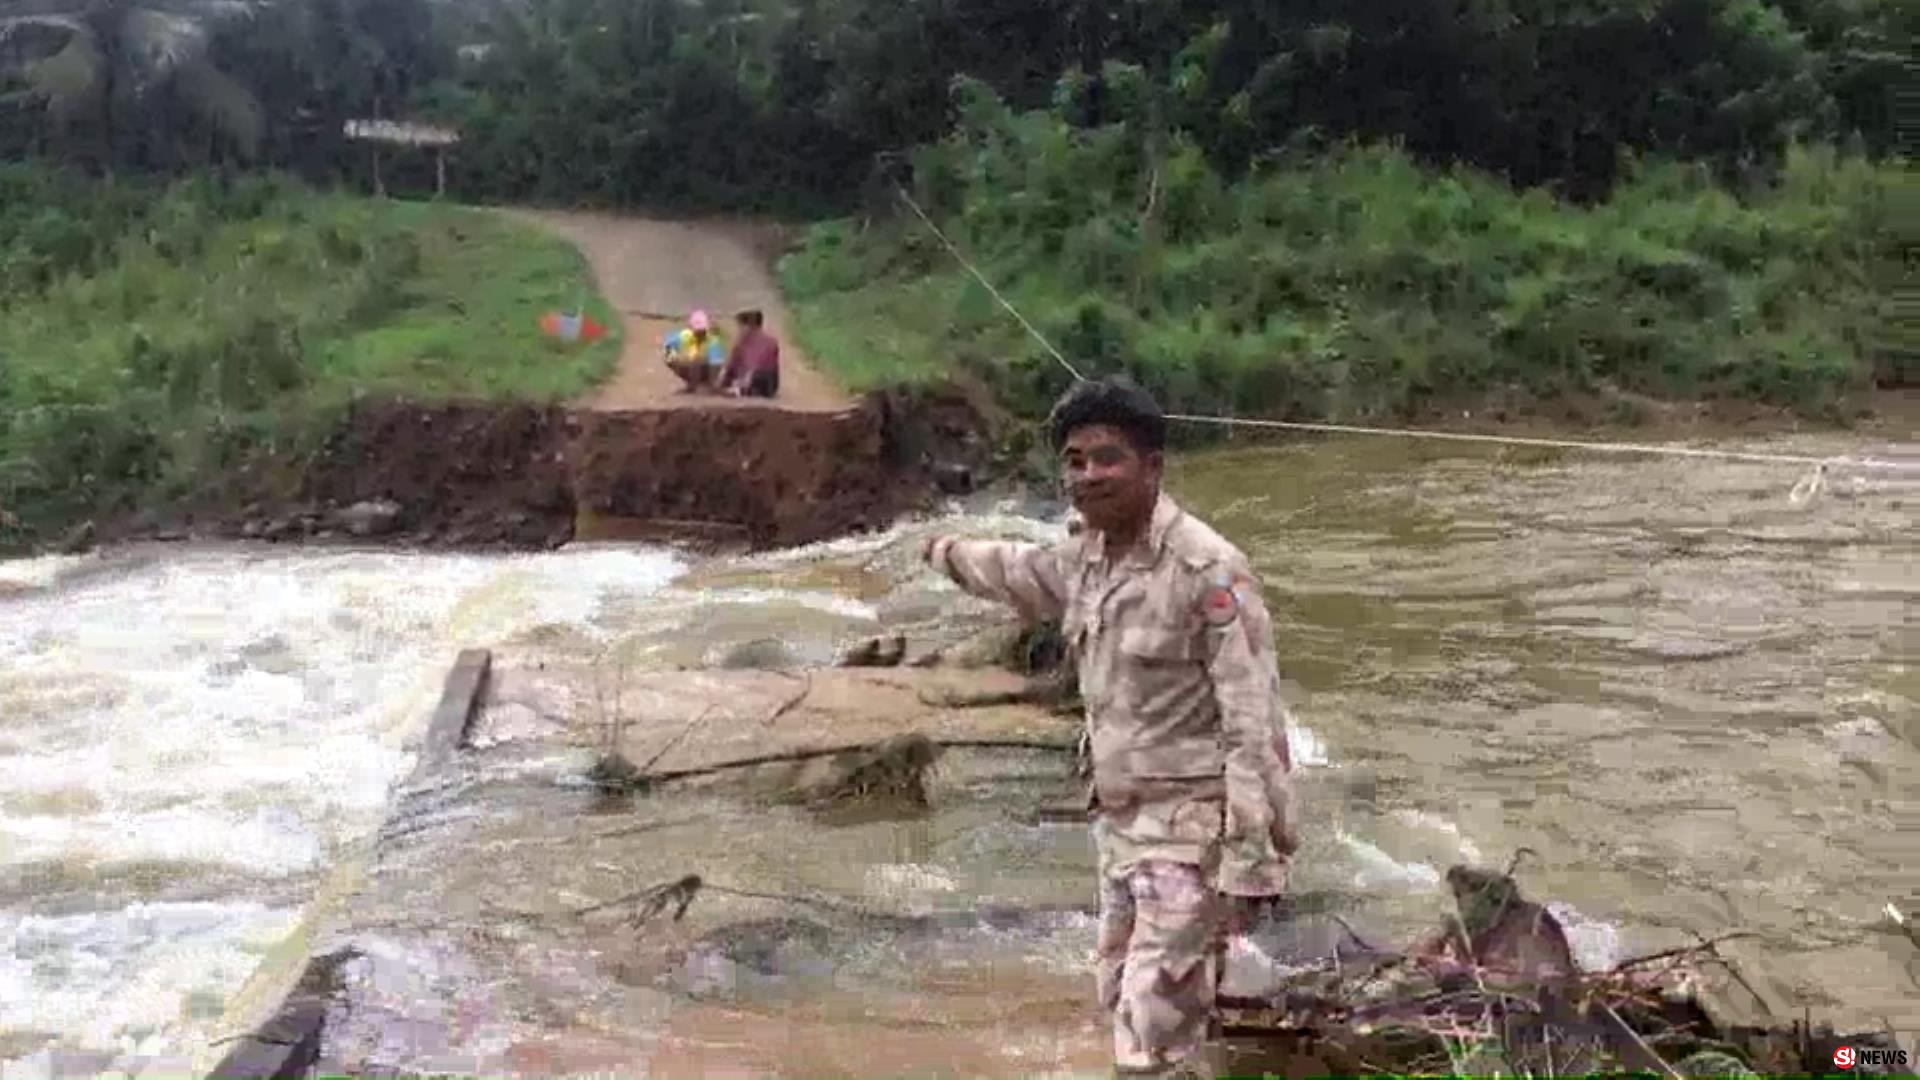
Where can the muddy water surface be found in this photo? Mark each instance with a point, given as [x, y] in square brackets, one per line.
[1694, 699]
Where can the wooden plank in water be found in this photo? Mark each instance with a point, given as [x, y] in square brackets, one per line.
[459, 702]
[283, 1049]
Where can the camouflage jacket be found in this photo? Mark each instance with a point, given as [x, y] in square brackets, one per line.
[1175, 654]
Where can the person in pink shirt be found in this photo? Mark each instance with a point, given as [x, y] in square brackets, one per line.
[754, 368]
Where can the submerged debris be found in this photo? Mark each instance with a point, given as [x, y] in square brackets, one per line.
[889, 773]
[650, 903]
[613, 774]
[1495, 992]
[760, 654]
[892, 773]
[876, 652]
[1500, 931]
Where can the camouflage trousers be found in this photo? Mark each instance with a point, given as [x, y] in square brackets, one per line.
[1159, 960]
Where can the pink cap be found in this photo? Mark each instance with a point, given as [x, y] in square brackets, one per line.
[698, 320]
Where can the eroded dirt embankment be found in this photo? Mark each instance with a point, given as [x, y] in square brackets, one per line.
[536, 477]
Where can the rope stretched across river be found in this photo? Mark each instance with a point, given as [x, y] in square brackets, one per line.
[1818, 463]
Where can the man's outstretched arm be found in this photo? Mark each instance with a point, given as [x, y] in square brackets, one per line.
[1024, 576]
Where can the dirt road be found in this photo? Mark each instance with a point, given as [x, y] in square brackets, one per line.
[655, 272]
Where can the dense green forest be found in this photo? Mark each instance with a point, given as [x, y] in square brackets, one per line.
[1299, 208]
[784, 103]
[1356, 284]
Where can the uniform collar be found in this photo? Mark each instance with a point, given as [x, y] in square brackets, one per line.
[1146, 551]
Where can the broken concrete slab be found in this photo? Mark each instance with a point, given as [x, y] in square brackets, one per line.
[680, 720]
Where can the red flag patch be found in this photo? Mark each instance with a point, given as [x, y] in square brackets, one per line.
[1220, 606]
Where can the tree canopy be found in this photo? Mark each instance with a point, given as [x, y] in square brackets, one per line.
[784, 103]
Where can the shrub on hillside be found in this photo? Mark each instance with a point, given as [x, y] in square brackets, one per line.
[1359, 283]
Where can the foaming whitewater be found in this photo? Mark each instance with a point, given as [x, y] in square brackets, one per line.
[190, 738]
[1003, 519]
[124, 971]
[37, 572]
[221, 721]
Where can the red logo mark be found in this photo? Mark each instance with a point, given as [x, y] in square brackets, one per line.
[1844, 1057]
[1220, 605]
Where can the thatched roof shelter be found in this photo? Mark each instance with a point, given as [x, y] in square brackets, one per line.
[405, 133]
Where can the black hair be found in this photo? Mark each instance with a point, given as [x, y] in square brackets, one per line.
[751, 317]
[1116, 401]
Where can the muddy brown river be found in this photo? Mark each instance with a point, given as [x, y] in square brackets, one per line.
[1691, 696]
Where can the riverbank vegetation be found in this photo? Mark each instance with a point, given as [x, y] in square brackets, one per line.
[1304, 210]
[153, 335]
[1355, 283]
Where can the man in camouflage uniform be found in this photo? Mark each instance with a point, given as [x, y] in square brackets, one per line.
[1192, 812]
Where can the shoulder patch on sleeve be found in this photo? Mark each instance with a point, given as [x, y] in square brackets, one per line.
[1219, 603]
